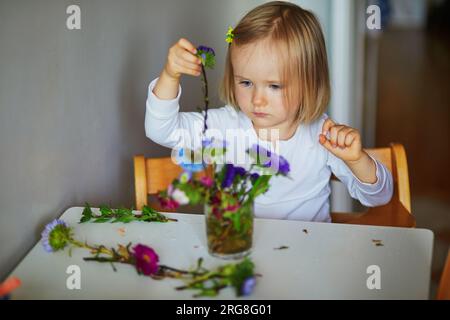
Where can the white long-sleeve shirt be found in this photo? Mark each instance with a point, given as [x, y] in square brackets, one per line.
[304, 197]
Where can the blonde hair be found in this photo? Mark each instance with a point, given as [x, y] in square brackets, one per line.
[298, 38]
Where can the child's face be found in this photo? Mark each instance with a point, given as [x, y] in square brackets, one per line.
[258, 90]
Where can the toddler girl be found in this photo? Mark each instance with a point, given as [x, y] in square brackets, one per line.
[276, 90]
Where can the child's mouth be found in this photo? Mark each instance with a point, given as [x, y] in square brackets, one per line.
[260, 114]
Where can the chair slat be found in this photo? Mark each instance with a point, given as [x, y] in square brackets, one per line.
[160, 173]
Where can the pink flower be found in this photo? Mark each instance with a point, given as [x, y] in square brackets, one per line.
[216, 212]
[146, 259]
[233, 207]
[168, 203]
[215, 199]
[206, 181]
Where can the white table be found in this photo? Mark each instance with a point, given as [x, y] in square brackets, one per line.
[329, 261]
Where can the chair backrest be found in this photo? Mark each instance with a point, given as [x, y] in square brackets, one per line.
[154, 174]
[394, 158]
[444, 283]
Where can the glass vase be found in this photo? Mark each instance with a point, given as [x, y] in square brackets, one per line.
[230, 233]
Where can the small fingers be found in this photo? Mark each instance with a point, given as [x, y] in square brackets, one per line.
[342, 136]
[190, 65]
[324, 141]
[186, 69]
[190, 57]
[334, 132]
[327, 125]
[350, 138]
[186, 44]
[189, 61]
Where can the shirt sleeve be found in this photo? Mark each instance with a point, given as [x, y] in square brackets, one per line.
[165, 125]
[370, 195]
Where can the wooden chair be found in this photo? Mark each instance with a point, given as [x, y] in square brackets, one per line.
[154, 174]
[398, 211]
[444, 284]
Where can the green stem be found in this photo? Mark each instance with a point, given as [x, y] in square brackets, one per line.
[96, 250]
[201, 279]
[205, 88]
[181, 272]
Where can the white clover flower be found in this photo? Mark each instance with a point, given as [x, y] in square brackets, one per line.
[180, 197]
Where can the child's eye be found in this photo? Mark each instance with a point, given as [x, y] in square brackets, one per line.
[245, 83]
[275, 86]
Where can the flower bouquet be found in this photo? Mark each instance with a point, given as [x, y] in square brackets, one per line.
[227, 192]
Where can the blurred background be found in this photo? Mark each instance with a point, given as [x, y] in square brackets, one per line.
[407, 100]
[72, 102]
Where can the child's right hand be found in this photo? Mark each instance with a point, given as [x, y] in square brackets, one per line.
[182, 59]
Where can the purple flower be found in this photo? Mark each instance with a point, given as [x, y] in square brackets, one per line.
[206, 49]
[261, 154]
[146, 259]
[206, 142]
[240, 171]
[268, 159]
[247, 286]
[55, 236]
[279, 163]
[230, 172]
[254, 177]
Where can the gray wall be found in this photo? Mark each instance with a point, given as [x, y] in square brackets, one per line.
[72, 102]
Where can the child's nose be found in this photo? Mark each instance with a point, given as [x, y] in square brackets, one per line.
[259, 100]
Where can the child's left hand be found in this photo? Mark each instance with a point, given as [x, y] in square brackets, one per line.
[344, 142]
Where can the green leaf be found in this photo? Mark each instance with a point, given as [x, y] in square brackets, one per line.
[235, 218]
[104, 210]
[149, 214]
[123, 211]
[148, 211]
[221, 174]
[125, 219]
[194, 195]
[243, 270]
[210, 61]
[260, 186]
[123, 215]
[87, 214]
[100, 220]
[84, 219]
